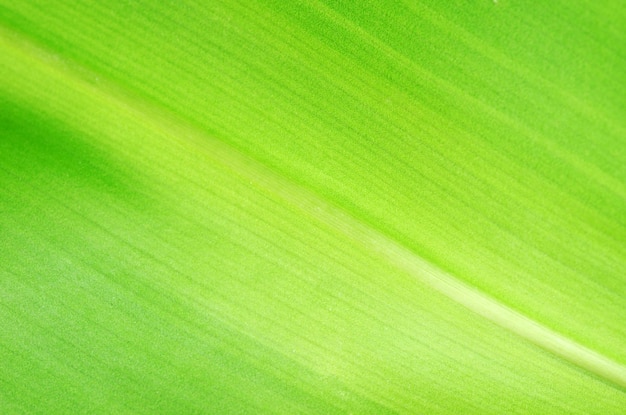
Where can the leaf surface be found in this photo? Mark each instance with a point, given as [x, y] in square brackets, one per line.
[312, 207]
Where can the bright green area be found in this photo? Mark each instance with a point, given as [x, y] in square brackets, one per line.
[161, 168]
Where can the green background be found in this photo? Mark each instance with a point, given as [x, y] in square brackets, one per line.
[200, 201]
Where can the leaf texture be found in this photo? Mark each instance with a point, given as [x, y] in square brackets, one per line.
[312, 207]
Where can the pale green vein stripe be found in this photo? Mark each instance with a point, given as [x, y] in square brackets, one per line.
[251, 171]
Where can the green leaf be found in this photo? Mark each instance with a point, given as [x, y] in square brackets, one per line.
[312, 207]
